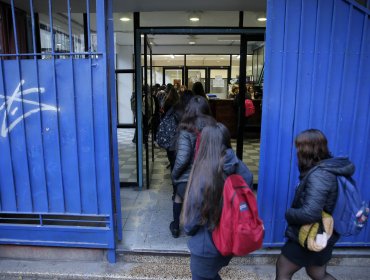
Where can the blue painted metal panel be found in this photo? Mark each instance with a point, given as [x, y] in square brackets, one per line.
[317, 68]
[50, 132]
[15, 130]
[85, 132]
[67, 134]
[33, 107]
[55, 146]
[7, 185]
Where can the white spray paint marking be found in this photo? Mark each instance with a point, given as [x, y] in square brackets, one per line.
[6, 106]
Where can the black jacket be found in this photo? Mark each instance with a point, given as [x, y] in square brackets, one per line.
[184, 156]
[317, 191]
[185, 150]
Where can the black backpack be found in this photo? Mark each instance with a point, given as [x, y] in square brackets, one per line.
[167, 130]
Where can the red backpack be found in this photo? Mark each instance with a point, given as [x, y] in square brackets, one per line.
[249, 108]
[240, 230]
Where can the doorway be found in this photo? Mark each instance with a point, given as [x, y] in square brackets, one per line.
[147, 228]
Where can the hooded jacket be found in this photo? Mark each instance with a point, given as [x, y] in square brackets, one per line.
[201, 243]
[317, 192]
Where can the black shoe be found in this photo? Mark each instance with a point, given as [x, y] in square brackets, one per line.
[175, 231]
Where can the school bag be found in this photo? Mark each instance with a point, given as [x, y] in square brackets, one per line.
[167, 130]
[240, 230]
[351, 212]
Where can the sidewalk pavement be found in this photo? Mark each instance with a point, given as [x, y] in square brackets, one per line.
[138, 266]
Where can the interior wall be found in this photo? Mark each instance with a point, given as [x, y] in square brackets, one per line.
[125, 83]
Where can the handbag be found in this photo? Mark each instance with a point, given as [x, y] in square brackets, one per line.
[315, 236]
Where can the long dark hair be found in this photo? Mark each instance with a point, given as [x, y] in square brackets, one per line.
[196, 112]
[205, 186]
[312, 147]
[198, 89]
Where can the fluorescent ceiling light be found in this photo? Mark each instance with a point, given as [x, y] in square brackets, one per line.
[194, 18]
[262, 19]
[191, 43]
[125, 19]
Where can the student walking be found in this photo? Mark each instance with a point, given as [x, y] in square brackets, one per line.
[215, 160]
[197, 115]
[315, 194]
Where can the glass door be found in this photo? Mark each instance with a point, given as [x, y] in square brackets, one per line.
[196, 75]
[218, 82]
[173, 76]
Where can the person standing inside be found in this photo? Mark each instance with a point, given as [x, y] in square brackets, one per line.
[316, 192]
[197, 115]
[215, 160]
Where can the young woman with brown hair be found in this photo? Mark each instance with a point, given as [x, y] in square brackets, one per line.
[214, 161]
[316, 192]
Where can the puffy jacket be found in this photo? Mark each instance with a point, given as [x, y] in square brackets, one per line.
[201, 243]
[316, 192]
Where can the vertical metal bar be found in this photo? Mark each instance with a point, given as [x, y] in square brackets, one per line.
[138, 94]
[35, 58]
[57, 97]
[33, 27]
[241, 95]
[146, 121]
[21, 106]
[88, 27]
[51, 27]
[113, 121]
[70, 27]
[14, 28]
[152, 102]
[71, 57]
[105, 146]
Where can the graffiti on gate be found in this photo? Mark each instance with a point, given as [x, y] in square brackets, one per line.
[11, 104]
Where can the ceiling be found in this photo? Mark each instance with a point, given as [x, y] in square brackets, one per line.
[164, 13]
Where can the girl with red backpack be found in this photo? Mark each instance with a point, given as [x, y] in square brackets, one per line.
[215, 160]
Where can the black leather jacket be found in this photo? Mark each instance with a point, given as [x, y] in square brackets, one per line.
[317, 191]
[184, 156]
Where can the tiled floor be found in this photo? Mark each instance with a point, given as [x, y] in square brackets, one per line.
[147, 214]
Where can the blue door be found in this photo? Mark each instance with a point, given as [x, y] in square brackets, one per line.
[316, 76]
[57, 156]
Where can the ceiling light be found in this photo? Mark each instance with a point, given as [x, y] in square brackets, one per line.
[262, 19]
[191, 43]
[125, 19]
[194, 18]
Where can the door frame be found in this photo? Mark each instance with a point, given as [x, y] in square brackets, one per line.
[246, 34]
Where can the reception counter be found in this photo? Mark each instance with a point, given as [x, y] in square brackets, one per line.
[225, 111]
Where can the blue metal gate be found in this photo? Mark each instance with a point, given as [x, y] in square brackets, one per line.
[317, 76]
[57, 174]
